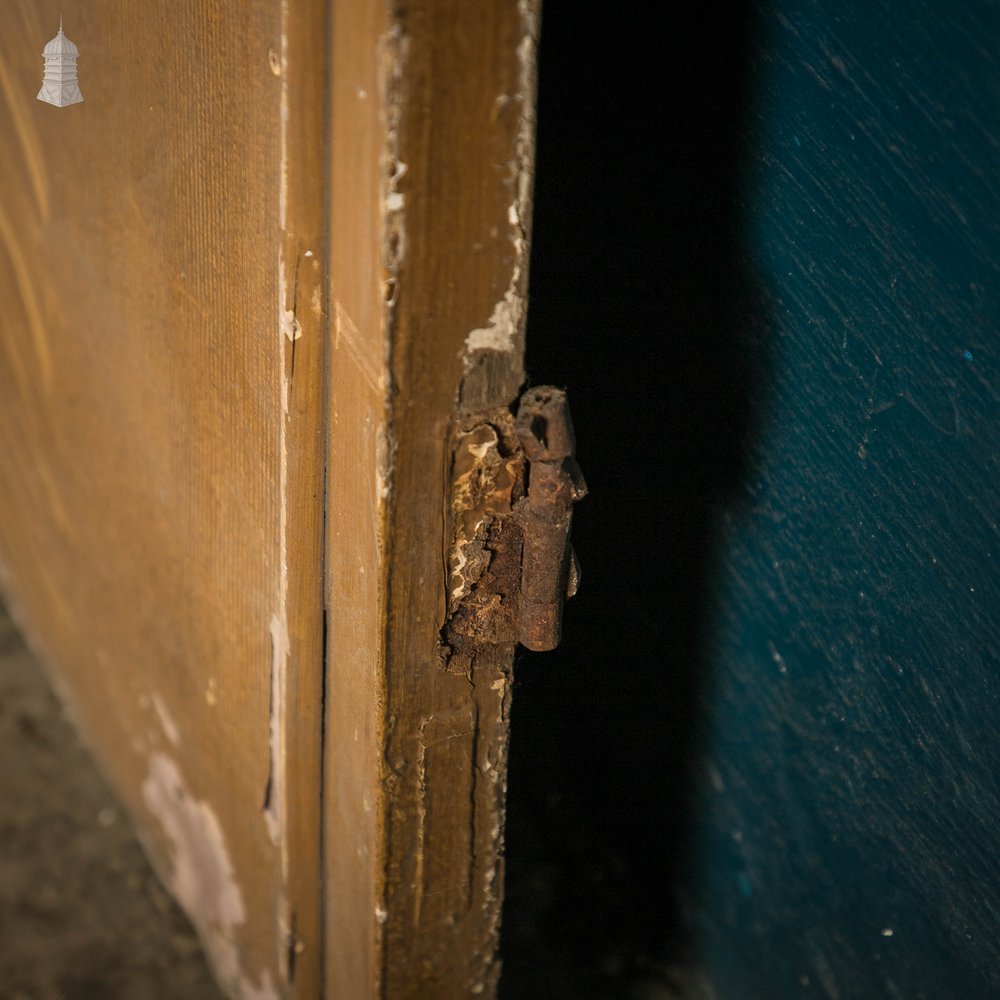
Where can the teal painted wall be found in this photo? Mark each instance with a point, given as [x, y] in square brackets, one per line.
[764, 763]
[852, 777]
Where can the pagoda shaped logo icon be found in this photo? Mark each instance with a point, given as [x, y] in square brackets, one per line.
[60, 86]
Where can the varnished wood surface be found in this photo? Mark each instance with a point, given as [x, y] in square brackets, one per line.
[358, 451]
[159, 523]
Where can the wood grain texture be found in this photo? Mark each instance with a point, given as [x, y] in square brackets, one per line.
[357, 466]
[162, 467]
[428, 269]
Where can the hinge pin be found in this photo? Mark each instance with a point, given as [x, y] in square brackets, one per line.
[549, 571]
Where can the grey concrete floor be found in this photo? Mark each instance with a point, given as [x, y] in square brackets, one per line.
[82, 917]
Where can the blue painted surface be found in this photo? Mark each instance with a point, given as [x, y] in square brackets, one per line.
[852, 784]
[765, 762]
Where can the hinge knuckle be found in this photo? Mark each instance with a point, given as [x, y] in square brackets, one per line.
[510, 564]
[549, 572]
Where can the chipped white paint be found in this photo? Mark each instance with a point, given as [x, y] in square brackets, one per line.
[202, 877]
[385, 460]
[274, 812]
[165, 719]
[394, 46]
[480, 451]
[459, 562]
[398, 173]
[477, 497]
[779, 660]
[498, 334]
[290, 326]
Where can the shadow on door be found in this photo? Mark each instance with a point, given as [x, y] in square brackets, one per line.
[644, 305]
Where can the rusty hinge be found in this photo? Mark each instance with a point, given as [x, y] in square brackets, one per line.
[514, 483]
[549, 569]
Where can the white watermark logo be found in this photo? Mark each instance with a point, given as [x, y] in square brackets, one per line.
[60, 85]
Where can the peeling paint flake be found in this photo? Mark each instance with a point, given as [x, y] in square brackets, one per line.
[274, 795]
[498, 334]
[290, 326]
[393, 48]
[202, 877]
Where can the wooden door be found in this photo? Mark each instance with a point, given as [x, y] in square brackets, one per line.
[258, 290]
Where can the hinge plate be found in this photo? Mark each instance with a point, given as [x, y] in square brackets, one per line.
[511, 567]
